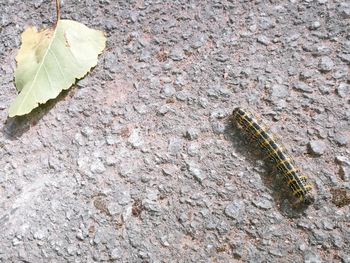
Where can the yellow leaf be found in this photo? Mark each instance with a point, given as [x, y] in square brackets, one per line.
[51, 60]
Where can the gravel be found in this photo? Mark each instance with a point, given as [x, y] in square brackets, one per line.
[326, 64]
[343, 90]
[317, 147]
[300, 86]
[140, 161]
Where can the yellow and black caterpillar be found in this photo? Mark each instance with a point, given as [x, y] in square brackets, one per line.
[276, 153]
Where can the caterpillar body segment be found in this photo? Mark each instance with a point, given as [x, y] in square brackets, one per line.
[276, 153]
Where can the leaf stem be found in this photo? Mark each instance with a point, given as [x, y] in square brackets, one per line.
[57, 11]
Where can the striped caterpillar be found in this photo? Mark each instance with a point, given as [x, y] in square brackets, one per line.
[276, 153]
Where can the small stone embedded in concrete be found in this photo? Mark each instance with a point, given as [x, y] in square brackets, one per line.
[301, 86]
[278, 91]
[135, 139]
[344, 57]
[218, 127]
[317, 147]
[263, 203]
[181, 96]
[311, 256]
[234, 209]
[342, 138]
[145, 55]
[325, 64]
[264, 40]
[324, 89]
[168, 90]
[164, 109]
[196, 171]
[192, 134]
[315, 25]
[344, 9]
[219, 113]
[193, 149]
[170, 170]
[116, 253]
[344, 169]
[174, 146]
[141, 108]
[177, 54]
[340, 73]
[343, 90]
[97, 167]
[307, 74]
[203, 102]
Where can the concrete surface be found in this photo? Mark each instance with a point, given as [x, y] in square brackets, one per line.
[139, 162]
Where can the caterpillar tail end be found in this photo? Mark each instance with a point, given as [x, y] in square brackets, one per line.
[309, 198]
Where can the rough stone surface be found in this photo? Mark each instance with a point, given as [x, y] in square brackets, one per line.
[139, 162]
[317, 147]
[326, 64]
[343, 90]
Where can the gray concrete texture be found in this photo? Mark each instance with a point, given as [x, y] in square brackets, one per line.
[139, 162]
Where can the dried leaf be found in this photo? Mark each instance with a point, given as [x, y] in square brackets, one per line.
[50, 61]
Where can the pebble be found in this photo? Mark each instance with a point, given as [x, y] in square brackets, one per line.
[174, 146]
[340, 73]
[222, 58]
[97, 167]
[343, 90]
[152, 206]
[135, 139]
[218, 127]
[180, 80]
[164, 109]
[168, 90]
[116, 253]
[278, 91]
[344, 57]
[342, 139]
[344, 170]
[219, 114]
[177, 54]
[40, 234]
[195, 171]
[144, 56]
[192, 134]
[141, 108]
[325, 64]
[344, 10]
[307, 74]
[337, 241]
[311, 257]
[203, 102]
[264, 40]
[317, 147]
[263, 203]
[324, 89]
[301, 86]
[234, 209]
[315, 25]
[170, 170]
[181, 96]
[321, 50]
[193, 149]
[87, 131]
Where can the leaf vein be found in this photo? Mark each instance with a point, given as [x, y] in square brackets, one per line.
[58, 64]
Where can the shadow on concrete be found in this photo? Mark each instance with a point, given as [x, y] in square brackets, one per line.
[15, 127]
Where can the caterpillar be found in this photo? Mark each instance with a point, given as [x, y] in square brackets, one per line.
[276, 153]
